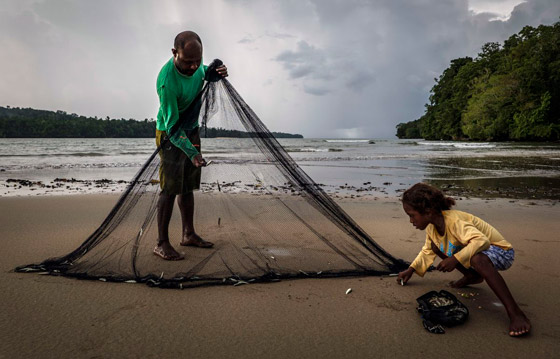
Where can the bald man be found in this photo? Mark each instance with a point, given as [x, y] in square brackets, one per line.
[178, 83]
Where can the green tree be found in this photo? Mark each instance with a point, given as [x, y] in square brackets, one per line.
[490, 110]
[507, 92]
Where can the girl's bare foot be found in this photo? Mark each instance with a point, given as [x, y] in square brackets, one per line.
[519, 325]
[466, 280]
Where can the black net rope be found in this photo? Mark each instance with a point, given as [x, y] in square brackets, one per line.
[268, 219]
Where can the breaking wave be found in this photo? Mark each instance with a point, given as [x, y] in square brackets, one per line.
[468, 145]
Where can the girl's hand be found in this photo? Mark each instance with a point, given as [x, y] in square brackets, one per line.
[404, 276]
[448, 264]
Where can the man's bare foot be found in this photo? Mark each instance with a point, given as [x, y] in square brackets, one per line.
[194, 240]
[519, 325]
[466, 280]
[166, 251]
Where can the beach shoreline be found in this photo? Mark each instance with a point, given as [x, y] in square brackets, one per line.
[60, 317]
[344, 168]
[514, 189]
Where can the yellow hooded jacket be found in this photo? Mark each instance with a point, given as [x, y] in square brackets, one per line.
[465, 235]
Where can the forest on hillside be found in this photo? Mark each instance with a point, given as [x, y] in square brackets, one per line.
[18, 122]
[508, 92]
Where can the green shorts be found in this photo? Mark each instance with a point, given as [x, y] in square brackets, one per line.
[177, 174]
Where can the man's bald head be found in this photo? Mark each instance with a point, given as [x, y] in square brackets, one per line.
[185, 37]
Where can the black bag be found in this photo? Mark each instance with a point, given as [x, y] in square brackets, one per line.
[441, 309]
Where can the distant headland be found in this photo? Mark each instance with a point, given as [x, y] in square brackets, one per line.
[510, 92]
[18, 122]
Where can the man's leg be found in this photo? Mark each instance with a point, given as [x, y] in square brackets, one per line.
[519, 323]
[164, 212]
[190, 238]
[470, 276]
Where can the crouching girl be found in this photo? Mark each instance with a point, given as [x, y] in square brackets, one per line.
[463, 242]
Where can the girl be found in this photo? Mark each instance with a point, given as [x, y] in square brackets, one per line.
[463, 242]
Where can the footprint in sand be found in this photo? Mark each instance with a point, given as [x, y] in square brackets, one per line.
[394, 304]
[542, 240]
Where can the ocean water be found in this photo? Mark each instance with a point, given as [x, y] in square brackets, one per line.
[341, 166]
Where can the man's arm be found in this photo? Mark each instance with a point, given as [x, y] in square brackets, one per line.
[168, 105]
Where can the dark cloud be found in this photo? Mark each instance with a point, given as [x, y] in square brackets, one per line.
[310, 64]
[279, 35]
[317, 91]
[359, 80]
[389, 52]
[302, 61]
[533, 13]
[246, 40]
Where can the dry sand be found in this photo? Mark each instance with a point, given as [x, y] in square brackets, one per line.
[57, 317]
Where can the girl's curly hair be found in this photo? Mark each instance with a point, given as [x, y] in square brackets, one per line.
[423, 197]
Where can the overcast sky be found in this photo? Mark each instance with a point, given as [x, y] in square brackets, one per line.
[322, 68]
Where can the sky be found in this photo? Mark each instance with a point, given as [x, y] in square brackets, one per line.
[321, 68]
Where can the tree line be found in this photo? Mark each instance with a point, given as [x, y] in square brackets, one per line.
[18, 122]
[508, 92]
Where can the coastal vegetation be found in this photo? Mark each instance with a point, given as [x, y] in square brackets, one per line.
[509, 92]
[18, 122]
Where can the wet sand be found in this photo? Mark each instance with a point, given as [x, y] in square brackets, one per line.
[57, 317]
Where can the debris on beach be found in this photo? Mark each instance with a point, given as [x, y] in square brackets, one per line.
[348, 291]
[63, 185]
[23, 182]
[469, 295]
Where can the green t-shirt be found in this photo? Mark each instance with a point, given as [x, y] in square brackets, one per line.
[176, 92]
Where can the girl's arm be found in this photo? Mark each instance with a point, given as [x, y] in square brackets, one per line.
[424, 259]
[473, 240]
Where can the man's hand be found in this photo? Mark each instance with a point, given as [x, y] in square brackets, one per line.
[198, 161]
[222, 70]
[448, 264]
[405, 275]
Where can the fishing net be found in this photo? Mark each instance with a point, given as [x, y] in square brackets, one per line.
[267, 218]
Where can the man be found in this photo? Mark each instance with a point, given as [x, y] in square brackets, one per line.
[178, 83]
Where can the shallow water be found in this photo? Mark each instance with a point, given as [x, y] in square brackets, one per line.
[343, 166]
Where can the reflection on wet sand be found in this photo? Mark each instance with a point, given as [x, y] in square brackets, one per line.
[504, 177]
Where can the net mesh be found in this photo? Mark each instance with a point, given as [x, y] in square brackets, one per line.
[267, 218]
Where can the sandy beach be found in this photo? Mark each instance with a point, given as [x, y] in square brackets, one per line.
[57, 317]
